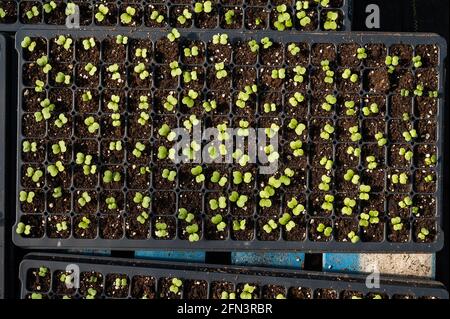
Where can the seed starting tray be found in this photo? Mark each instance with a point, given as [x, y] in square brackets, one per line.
[229, 244]
[269, 283]
[2, 160]
[170, 10]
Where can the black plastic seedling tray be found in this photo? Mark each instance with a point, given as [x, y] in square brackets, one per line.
[2, 160]
[170, 10]
[202, 280]
[311, 221]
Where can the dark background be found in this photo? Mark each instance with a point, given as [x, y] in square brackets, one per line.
[396, 16]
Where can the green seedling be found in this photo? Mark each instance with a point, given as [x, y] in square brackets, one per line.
[392, 62]
[220, 203]
[113, 103]
[296, 147]
[286, 221]
[239, 178]
[399, 179]
[189, 76]
[189, 99]
[192, 230]
[327, 131]
[298, 127]
[156, 16]
[247, 292]
[111, 177]
[205, 6]
[46, 112]
[361, 54]
[218, 221]
[113, 69]
[364, 191]
[243, 128]
[39, 86]
[371, 109]
[55, 169]
[101, 13]
[176, 285]
[84, 223]
[127, 16]
[329, 74]
[111, 203]
[197, 172]
[166, 131]
[326, 230]
[115, 146]
[28, 44]
[62, 226]
[29, 147]
[433, 94]
[227, 295]
[348, 75]
[349, 205]
[91, 293]
[91, 69]
[410, 135]
[141, 53]
[23, 229]
[138, 149]
[407, 154]
[371, 218]
[371, 162]
[417, 61]
[84, 199]
[296, 207]
[143, 119]
[142, 218]
[120, 283]
[62, 78]
[270, 226]
[2, 13]
[34, 174]
[283, 20]
[244, 96]
[331, 21]
[43, 271]
[115, 117]
[191, 52]
[33, 12]
[404, 92]
[278, 74]
[328, 205]
[71, 9]
[397, 224]
[143, 103]
[59, 148]
[350, 108]
[184, 215]
[220, 39]
[173, 35]
[240, 200]
[269, 107]
[26, 197]
[170, 103]
[406, 202]
[272, 131]
[253, 45]
[430, 160]
[43, 63]
[144, 201]
[122, 39]
[49, 6]
[230, 16]
[381, 140]
[424, 232]
[88, 44]
[220, 70]
[299, 74]
[327, 163]
[86, 96]
[239, 225]
[91, 124]
[184, 17]
[266, 42]
[330, 100]
[140, 69]
[57, 192]
[169, 175]
[353, 237]
[161, 230]
[216, 178]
